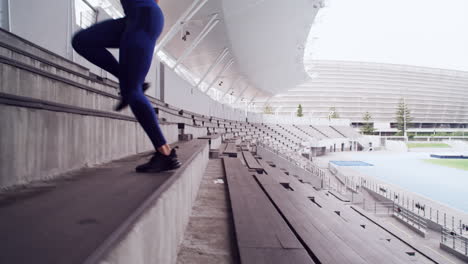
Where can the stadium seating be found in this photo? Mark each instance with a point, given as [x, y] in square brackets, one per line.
[345, 237]
[74, 157]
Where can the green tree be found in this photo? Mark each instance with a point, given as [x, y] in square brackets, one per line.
[403, 117]
[368, 127]
[268, 110]
[299, 111]
[333, 113]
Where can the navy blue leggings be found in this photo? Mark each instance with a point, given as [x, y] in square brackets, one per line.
[135, 35]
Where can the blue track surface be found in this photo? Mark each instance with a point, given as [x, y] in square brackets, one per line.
[411, 172]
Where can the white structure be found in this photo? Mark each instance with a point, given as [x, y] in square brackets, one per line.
[436, 97]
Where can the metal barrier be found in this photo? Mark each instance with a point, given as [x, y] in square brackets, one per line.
[379, 208]
[409, 217]
[415, 207]
[455, 241]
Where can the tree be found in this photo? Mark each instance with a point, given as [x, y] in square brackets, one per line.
[333, 113]
[268, 110]
[299, 111]
[368, 127]
[403, 117]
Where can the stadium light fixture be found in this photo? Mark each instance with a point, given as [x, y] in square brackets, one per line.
[207, 29]
[218, 60]
[187, 15]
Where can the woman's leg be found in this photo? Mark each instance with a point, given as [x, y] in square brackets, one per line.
[91, 43]
[136, 54]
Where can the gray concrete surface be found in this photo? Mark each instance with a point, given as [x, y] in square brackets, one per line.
[209, 237]
[39, 144]
[156, 236]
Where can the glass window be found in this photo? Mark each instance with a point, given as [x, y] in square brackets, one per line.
[85, 14]
[4, 15]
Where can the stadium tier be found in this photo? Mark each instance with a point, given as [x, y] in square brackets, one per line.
[246, 188]
[436, 97]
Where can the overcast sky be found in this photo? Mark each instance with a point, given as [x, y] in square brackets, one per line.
[415, 32]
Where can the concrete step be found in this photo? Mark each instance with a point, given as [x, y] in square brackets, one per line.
[209, 237]
[40, 141]
[27, 81]
[106, 214]
[24, 74]
[19, 45]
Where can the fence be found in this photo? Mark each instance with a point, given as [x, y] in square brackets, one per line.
[416, 214]
[378, 208]
[455, 241]
[413, 212]
[417, 208]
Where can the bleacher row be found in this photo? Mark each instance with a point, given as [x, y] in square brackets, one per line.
[280, 219]
[59, 123]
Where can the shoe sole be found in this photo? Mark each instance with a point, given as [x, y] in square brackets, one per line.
[156, 171]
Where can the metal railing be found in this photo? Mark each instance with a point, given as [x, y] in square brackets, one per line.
[391, 208]
[418, 208]
[409, 217]
[455, 241]
[378, 208]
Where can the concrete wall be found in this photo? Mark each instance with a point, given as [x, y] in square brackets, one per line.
[179, 93]
[4, 19]
[46, 23]
[39, 144]
[397, 146]
[159, 231]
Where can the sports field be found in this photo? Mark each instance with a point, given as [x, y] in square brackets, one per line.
[427, 145]
[414, 172]
[452, 163]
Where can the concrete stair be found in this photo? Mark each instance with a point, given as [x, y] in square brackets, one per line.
[107, 214]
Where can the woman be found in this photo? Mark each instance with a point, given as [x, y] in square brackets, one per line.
[135, 35]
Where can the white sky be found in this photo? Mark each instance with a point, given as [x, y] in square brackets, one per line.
[415, 32]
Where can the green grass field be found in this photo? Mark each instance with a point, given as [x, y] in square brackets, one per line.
[427, 145]
[452, 163]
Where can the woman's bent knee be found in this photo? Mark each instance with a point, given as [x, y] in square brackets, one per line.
[77, 40]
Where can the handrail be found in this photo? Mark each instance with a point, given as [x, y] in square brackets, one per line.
[455, 241]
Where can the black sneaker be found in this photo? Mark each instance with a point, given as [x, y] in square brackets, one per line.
[160, 162]
[122, 104]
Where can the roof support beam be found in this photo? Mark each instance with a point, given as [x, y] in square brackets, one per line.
[255, 96]
[225, 68]
[187, 15]
[218, 60]
[242, 93]
[209, 26]
[230, 88]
